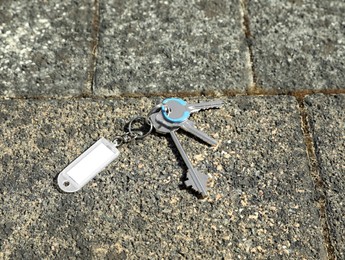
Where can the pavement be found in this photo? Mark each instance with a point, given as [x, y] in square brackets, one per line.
[74, 71]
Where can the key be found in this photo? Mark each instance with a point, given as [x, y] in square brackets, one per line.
[176, 110]
[163, 127]
[177, 114]
[196, 179]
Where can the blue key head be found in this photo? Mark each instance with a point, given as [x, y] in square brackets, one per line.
[174, 110]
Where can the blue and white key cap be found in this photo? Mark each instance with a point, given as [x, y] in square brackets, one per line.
[175, 110]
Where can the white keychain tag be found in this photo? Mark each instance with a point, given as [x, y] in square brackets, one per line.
[87, 165]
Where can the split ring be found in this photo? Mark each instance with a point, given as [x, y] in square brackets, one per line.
[140, 119]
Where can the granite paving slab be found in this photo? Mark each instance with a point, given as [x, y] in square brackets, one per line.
[298, 44]
[44, 49]
[261, 203]
[327, 119]
[152, 47]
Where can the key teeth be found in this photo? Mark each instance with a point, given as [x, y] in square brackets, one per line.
[203, 179]
[188, 183]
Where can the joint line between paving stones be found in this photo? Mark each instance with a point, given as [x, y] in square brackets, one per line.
[94, 49]
[248, 36]
[315, 174]
[211, 94]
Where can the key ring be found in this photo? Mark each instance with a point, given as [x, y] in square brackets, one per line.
[138, 119]
[132, 134]
[146, 120]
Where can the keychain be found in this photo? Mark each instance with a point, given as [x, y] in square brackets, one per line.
[167, 117]
[97, 157]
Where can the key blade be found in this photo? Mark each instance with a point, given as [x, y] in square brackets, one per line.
[195, 107]
[198, 181]
[189, 127]
[192, 174]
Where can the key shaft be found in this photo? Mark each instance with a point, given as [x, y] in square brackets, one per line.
[189, 127]
[195, 107]
[181, 150]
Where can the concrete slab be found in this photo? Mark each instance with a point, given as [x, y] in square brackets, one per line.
[327, 119]
[261, 205]
[152, 47]
[45, 50]
[297, 44]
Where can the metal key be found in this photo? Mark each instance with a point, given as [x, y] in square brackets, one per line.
[187, 126]
[177, 110]
[163, 127]
[196, 179]
[175, 113]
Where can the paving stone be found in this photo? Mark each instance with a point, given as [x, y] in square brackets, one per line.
[45, 50]
[327, 118]
[261, 204]
[298, 44]
[171, 47]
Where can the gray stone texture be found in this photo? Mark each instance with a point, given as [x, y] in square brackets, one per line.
[298, 44]
[155, 47]
[45, 47]
[327, 119]
[261, 204]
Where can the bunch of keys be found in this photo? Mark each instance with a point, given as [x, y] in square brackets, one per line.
[169, 116]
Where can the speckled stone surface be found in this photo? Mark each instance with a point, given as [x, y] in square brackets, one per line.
[327, 117]
[171, 47]
[298, 44]
[261, 204]
[44, 49]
